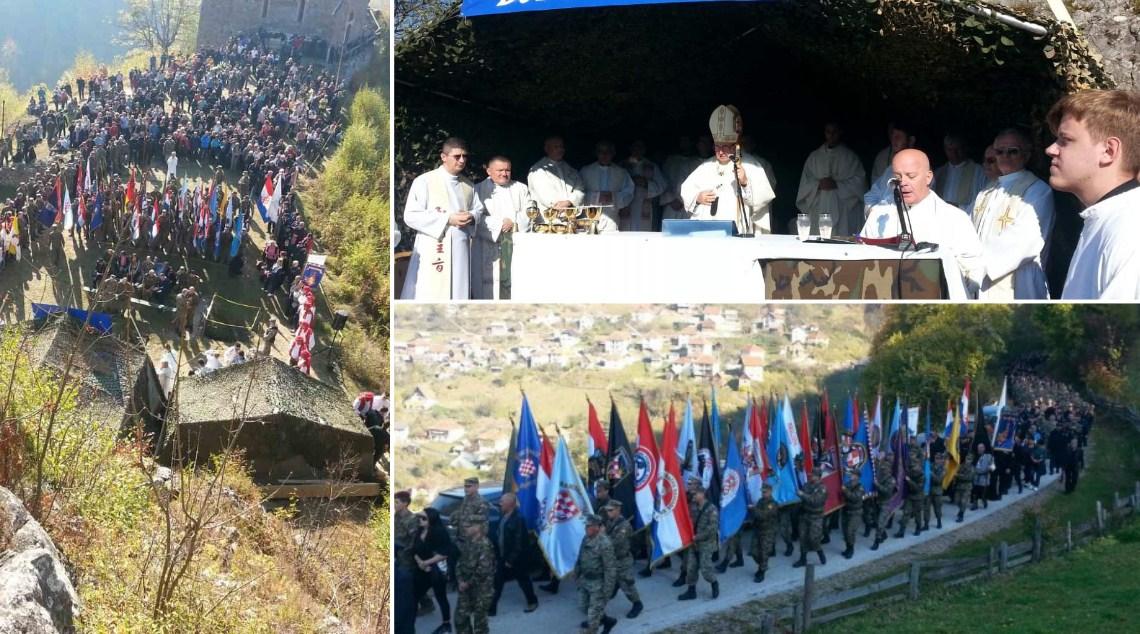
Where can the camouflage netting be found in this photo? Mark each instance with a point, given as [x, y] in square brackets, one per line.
[657, 71]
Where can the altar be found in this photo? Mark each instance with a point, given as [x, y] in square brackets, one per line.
[648, 267]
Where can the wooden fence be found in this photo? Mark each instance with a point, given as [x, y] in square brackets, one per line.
[811, 610]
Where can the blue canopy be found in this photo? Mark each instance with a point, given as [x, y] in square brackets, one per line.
[498, 7]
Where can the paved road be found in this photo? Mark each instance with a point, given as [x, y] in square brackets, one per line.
[560, 613]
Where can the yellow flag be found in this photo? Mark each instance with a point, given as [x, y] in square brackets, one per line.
[952, 449]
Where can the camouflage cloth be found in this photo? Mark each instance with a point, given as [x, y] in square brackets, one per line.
[406, 527]
[472, 509]
[476, 568]
[596, 571]
[914, 497]
[852, 510]
[764, 518]
[854, 279]
[963, 482]
[885, 489]
[706, 541]
[813, 497]
[620, 533]
[934, 500]
[784, 520]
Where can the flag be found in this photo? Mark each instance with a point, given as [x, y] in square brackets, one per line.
[596, 444]
[715, 422]
[781, 461]
[896, 422]
[542, 483]
[135, 220]
[79, 178]
[68, 217]
[81, 214]
[619, 465]
[912, 421]
[898, 466]
[218, 238]
[829, 463]
[275, 199]
[708, 462]
[1005, 425]
[733, 506]
[214, 204]
[568, 504]
[235, 246]
[527, 455]
[129, 195]
[58, 200]
[644, 470]
[265, 199]
[952, 449]
[859, 453]
[965, 404]
[926, 456]
[512, 461]
[154, 226]
[751, 449]
[805, 442]
[792, 438]
[87, 176]
[1000, 406]
[97, 217]
[687, 445]
[672, 526]
[762, 439]
[229, 208]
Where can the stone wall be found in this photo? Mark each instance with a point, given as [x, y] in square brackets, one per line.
[220, 19]
[1113, 30]
[36, 593]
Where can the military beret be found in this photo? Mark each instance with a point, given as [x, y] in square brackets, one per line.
[816, 471]
[612, 504]
[697, 488]
[471, 481]
[766, 487]
[593, 520]
[403, 496]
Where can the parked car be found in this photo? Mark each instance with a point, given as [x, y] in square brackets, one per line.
[447, 501]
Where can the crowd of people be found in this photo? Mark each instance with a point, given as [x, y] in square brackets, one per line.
[995, 217]
[1052, 427]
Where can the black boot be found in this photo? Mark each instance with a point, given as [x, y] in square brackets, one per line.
[759, 576]
[985, 504]
[917, 530]
[959, 520]
[822, 557]
[802, 561]
[789, 550]
[826, 538]
[901, 531]
[772, 551]
[608, 623]
[679, 582]
[866, 531]
[926, 525]
[875, 546]
[716, 557]
[739, 563]
[551, 587]
[665, 565]
[689, 594]
[722, 566]
[716, 589]
[634, 611]
[645, 572]
[940, 522]
[849, 552]
[890, 522]
[493, 610]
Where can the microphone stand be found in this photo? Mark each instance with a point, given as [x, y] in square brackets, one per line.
[746, 230]
[906, 240]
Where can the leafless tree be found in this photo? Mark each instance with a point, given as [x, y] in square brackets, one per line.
[157, 25]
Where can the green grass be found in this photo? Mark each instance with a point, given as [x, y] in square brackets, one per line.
[1088, 590]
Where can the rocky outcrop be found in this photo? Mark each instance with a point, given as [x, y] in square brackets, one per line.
[36, 593]
[1113, 30]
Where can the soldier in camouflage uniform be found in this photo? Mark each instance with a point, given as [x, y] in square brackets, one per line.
[596, 571]
[963, 480]
[934, 500]
[852, 510]
[473, 509]
[406, 527]
[914, 479]
[475, 574]
[706, 541]
[884, 489]
[812, 498]
[691, 485]
[764, 515]
[619, 531]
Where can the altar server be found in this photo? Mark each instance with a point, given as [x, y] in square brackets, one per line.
[960, 179]
[551, 180]
[607, 184]
[833, 182]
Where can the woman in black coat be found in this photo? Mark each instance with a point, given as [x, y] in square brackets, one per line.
[431, 549]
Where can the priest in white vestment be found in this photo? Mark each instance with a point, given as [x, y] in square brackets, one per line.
[833, 182]
[552, 182]
[881, 193]
[1013, 218]
[677, 168]
[932, 219]
[1097, 158]
[648, 186]
[960, 179]
[748, 144]
[442, 209]
[607, 184]
[505, 202]
[715, 190]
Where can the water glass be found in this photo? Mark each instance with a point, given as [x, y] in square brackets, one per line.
[803, 226]
[825, 226]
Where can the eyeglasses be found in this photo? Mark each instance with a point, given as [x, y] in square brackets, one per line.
[459, 156]
[991, 161]
[1007, 151]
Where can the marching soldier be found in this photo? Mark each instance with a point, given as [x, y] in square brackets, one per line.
[473, 509]
[596, 571]
[812, 499]
[764, 518]
[914, 478]
[963, 480]
[619, 531]
[934, 500]
[852, 510]
[474, 574]
[706, 541]
[691, 486]
[885, 489]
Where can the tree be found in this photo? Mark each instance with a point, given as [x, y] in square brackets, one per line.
[157, 25]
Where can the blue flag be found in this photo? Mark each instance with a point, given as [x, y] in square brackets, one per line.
[687, 445]
[783, 478]
[715, 420]
[926, 457]
[218, 240]
[860, 456]
[527, 456]
[896, 418]
[47, 215]
[561, 539]
[235, 246]
[97, 218]
[733, 507]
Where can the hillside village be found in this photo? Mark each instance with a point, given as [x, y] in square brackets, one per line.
[455, 374]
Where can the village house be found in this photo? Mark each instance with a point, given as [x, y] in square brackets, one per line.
[798, 334]
[615, 343]
[448, 431]
[585, 322]
[705, 365]
[496, 329]
[752, 369]
[420, 398]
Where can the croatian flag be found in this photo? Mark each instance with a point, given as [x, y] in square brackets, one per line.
[644, 470]
[542, 484]
[750, 447]
[270, 199]
[82, 214]
[527, 456]
[154, 226]
[672, 526]
[68, 218]
[596, 443]
[567, 505]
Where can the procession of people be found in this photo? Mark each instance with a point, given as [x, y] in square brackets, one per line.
[995, 218]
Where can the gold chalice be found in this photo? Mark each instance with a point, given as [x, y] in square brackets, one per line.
[592, 214]
[568, 215]
[531, 215]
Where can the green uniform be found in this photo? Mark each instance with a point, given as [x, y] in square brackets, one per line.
[852, 511]
[406, 528]
[914, 478]
[885, 489]
[597, 572]
[812, 499]
[963, 482]
[784, 522]
[706, 541]
[764, 517]
[472, 509]
[620, 532]
[934, 500]
[476, 568]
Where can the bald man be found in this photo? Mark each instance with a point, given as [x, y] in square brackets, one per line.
[932, 219]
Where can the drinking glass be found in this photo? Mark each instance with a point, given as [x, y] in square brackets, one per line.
[803, 226]
[825, 226]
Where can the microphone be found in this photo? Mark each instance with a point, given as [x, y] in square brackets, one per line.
[894, 182]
